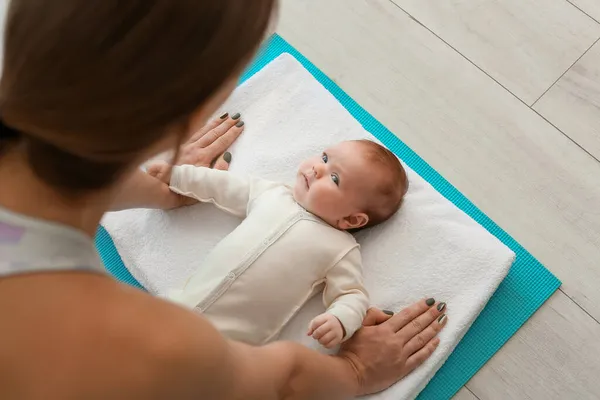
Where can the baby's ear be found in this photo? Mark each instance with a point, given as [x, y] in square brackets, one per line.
[353, 221]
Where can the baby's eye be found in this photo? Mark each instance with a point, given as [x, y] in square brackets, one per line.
[335, 179]
[324, 158]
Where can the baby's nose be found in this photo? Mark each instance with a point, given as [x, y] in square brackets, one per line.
[318, 170]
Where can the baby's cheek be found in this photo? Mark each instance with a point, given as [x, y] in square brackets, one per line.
[324, 202]
[315, 195]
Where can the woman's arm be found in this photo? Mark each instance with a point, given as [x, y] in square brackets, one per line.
[372, 360]
[138, 346]
[286, 370]
[281, 370]
[190, 359]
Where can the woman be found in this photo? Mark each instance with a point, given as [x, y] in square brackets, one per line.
[89, 91]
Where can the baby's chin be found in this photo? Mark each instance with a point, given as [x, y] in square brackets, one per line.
[299, 194]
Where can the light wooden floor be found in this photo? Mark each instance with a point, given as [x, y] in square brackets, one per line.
[502, 97]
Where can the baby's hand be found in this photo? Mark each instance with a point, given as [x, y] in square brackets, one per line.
[327, 329]
[161, 171]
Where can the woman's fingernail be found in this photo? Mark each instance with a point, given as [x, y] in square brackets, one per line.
[441, 306]
[442, 319]
[239, 124]
[227, 157]
[388, 312]
[236, 116]
[430, 302]
[224, 116]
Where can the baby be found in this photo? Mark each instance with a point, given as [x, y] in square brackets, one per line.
[293, 242]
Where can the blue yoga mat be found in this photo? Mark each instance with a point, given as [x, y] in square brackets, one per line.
[527, 286]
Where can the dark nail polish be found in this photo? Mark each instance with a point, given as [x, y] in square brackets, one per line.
[224, 116]
[442, 319]
[388, 312]
[240, 124]
[236, 116]
[227, 157]
[441, 306]
[430, 302]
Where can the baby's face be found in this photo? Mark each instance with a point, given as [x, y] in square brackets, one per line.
[335, 185]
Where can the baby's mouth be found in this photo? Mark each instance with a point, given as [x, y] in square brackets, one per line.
[306, 180]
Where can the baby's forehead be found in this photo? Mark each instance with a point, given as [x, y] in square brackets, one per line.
[353, 153]
[347, 145]
[347, 152]
[365, 174]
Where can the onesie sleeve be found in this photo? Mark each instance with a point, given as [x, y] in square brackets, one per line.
[344, 294]
[230, 192]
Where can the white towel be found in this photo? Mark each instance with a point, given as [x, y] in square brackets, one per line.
[429, 249]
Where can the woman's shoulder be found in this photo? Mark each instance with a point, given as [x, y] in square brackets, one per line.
[108, 335]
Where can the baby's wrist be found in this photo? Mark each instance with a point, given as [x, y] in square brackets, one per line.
[339, 321]
[342, 326]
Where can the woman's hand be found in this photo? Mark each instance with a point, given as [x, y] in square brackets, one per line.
[208, 146]
[205, 148]
[387, 348]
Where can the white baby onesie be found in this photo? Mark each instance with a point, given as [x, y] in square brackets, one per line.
[256, 279]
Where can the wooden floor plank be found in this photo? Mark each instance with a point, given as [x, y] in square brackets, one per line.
[590, 7]
[464, 394]
[554, 356]
[573, 103]
[524, 45]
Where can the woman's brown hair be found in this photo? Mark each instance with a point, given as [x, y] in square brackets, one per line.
[87, 85]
